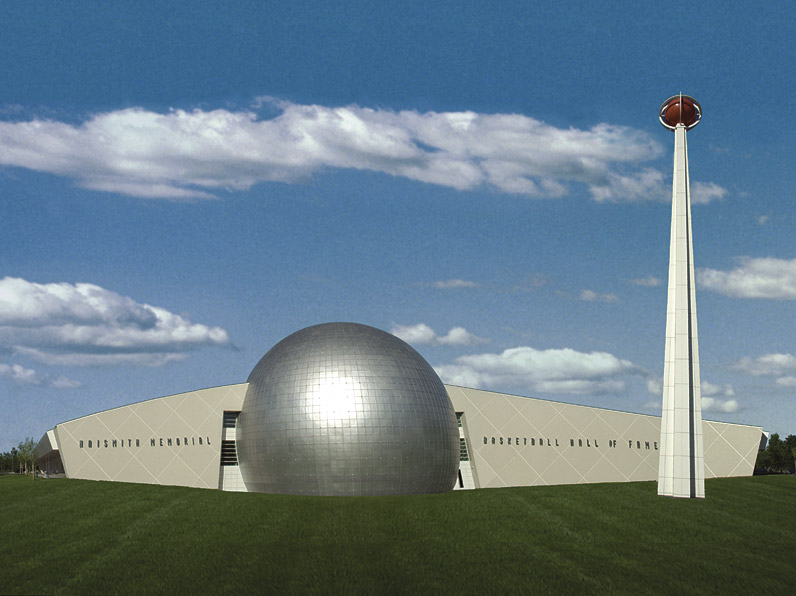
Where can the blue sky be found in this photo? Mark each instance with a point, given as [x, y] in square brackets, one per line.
[181, 189]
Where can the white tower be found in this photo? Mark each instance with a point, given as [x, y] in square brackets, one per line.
[681, 468]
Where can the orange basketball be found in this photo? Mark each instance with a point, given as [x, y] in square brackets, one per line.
[680, 112]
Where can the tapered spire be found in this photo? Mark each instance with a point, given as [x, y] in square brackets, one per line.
[681, 469]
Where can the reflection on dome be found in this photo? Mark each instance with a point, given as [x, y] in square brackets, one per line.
[346, 409]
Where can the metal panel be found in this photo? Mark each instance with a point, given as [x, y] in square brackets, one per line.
[346, 409]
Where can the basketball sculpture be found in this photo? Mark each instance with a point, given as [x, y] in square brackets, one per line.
[680, 109]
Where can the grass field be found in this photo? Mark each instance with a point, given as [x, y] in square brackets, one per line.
[73, 536]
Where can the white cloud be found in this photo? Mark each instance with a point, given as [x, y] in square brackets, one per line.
[193, 154]
[454, 283]
[703, 193]
[786, 381]
[26, 376]
[423, 334]
[62, 382]
[712, 404]
[768, 364]
[655, 386]
[19, 374]
[646, 185]
[648, 282]
[753, 278]
[590, 296]
[84, 324]
[709, 389]
[548, 371]
[762, 219]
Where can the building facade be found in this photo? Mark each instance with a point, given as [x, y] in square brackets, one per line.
[189, 439]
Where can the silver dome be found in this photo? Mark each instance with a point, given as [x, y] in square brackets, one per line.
[346, 409]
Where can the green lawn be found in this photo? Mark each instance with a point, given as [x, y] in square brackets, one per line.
[73, 536]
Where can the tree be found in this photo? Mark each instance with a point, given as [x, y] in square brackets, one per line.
[790, 442]
[26, 455]
[778, 455]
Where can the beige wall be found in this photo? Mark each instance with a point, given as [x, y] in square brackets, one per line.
[533, 442]
[195, 416]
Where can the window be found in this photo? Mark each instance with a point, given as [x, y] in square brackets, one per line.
[230, 418]
[463, 454]
[229, 454]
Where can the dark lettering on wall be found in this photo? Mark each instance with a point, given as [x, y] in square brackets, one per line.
[533, 441]
[169, 441]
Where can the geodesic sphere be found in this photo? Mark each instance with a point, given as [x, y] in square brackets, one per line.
[346, 409]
